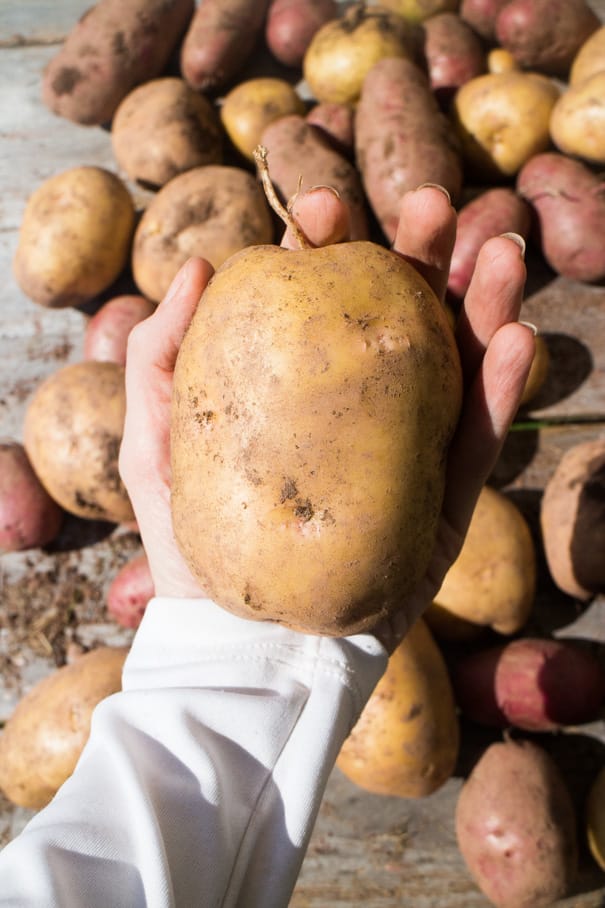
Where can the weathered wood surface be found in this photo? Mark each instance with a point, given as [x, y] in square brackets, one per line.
[383, 852]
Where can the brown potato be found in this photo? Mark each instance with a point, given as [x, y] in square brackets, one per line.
[113, 47]
[29, 517]
[163, 128]
[299, 403]
[493, 580]
[516, 827]
[72, 433]
[106, 335]
[210, 211]
[503, 120]
[590, 58]
[405, 743]
[291, 25]
[454, 54]
[577, 123]
[402, 139]
[75, 237]
[337, 122]
[572, 517]
[43, 739]
[252, 105]
[481, 15]
[569, 203]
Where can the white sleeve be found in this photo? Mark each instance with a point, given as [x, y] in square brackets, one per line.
[201, 780]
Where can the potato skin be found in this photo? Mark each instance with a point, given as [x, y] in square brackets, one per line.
[296, 149]
[590, 57]
[577, 123]
[545, 35]
[74, 238]
[481, 15]
[313, 511]
[595, 819]
[130, 591]
[106, 335]
[405, 743]
[516, 828]
[420, 10]
[531, 683]
[72, 433]
[291, 25]
[29, 517]
[163, 128]
[572, 518]
[112, 48]
[454, 54]
[252, 105]
[569, 204]
[43, 739]
[337, 122]
[211, 211]
[402, 139]
[491, 213]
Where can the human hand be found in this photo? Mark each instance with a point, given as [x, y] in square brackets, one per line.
[496, 352]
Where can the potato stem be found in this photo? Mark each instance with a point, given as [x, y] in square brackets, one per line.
[260, 157]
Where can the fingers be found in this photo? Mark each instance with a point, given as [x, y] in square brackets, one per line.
[493, 299]
[426, 234]
[322, 216]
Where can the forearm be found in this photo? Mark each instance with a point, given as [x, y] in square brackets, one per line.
[202, 779]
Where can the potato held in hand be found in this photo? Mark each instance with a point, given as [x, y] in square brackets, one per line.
[315, 395]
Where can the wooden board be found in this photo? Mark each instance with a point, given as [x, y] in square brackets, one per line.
[383, 852]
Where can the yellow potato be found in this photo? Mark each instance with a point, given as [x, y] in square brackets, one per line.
[249, 108]
[595, 819]
[502, 120]
[538, 371]
[590, 58]
[75, 237]
[405, 743]
[577, 124]
[419, 10]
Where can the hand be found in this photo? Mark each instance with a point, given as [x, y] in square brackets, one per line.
[496, 353]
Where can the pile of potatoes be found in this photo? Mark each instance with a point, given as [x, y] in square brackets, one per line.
[496, 100]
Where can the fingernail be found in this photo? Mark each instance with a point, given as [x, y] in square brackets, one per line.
[436, 186]
[321, 186]
[516, 238]
[531, 326]
[176, 283]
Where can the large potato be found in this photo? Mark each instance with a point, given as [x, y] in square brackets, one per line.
[163, 128]
[43, 739]
[482, 15]
[492, 582]
[405, 743]
[577, 123]
[252, 105]
[590, 58]
[503, 119]
[72, 433]
[516, 827]
[75, 237]
[300, 410]
[210, 212]
[572, 518]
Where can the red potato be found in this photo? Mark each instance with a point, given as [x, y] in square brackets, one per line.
[493, 212]
[298, 151]
[533, 684]
[545, 35]
[569, 202]
[113, 47]
[291, 24]
[454, 54]
[481, 15]
[106, 335]
[29, 517]
[130, 591]
[337, 122]
[402, 139]
[220, 39]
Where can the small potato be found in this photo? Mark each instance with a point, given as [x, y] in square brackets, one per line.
[342, 52]
[72, 433]
[530, 683]
[577, 123]
[545, 35]
[595, 819]
[43, 739]
[503, 120]
[538, 371]
[130, 591]
[337, 122]
[113, 47]
[75, 237]
[569, 204]
[163, 128]
[210, 211]
[106, 335]
[454, 54]
[252, 105]
[500, 61]
[572, 517]
[491, 213]
[516, 828]
[29, 517]
[481, 15]
[420, 10]
[291, 25]
[590, 58]
[405, 743]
